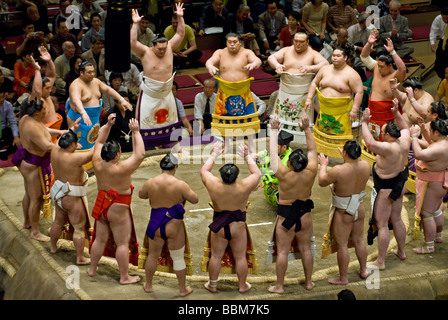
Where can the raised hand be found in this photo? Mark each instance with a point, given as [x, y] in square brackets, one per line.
[133, 125]
[217, 148]
[44, 54]
[323, 160]
[372, 37]
[305, 123]
[180, 9]
[136, 18]
[275, 123]
[366, 116]
[390, 45]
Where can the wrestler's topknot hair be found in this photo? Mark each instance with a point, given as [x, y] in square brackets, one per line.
[440, 125]
[439, 108]
[393, 130]
[353, 149]
[298, 160]
[229, 172]
[110, 150]
[169, 162]
[33, 106]
[413, 82]
[67, 139]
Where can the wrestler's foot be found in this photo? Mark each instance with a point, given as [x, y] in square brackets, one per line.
[91, 272]
[246, 287]
[438, 238]
[40, 237]
[337, 281]
[275, 289]
[210, 287]
[309, 286]
[185, 292]
[147, 287]
[376, 264]
[26, 226]
[83, 261]
[363, 274]
[130, 280]
[424, 250]
[401, 256]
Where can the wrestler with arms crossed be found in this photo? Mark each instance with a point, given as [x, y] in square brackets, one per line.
[229, 197]
[389, 176]
[295, 182]
[115, 175]
[167, 195]
[349, 181]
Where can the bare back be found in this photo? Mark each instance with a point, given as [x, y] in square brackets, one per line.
[351, 178]
[34, 136]
[438, 159]
[112, 176]
[393, 160]
[409, 113]
[67, 166]
[229, 197]
[294, 185]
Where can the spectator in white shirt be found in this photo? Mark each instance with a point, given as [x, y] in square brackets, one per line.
[204, 103]
[439, 29]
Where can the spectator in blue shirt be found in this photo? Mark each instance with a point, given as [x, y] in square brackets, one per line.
[9, 132]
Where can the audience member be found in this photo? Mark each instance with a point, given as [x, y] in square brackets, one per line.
[395, 27]
[186, 54]
[244, 26]
[62, 35]
[62, 66]
[96, 56]
[120, 131]
[74, 71]
[383, 5]
[341, 15]
[6, 86]
[23, 72]
[188, 129]
[270, 23]
[78, 25]
[442, 90]
[215, 15]
[31, 40]
[204, 103]
[95, 30]
[115, 81]
[88, 8]
[167, 14]
[144, 36]
[40, 23]
[9, 131]
[314, 19]
[288, 32]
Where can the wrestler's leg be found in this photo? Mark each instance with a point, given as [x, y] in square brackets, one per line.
[77, 217]
[96, 251]
[60, 220]
[175, 233]
[154, 250]
[304, 243]
[33, 190]
[382, 212]
[431, 203]
[342, 227]
[283, 239]
[238, 243]
[399, 228]
[218, 244]
[358, 240]
[121, 226]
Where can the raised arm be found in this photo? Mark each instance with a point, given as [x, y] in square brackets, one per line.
[180, 32]
[310, 143]
[138, 148]
[365, 52]
[206, 170]
[36, 90]
[51, 69]
[401, 67]
[114, 94]
[373, 145]
[401, 96]
[255, 173]
[275, 60]
[213, 63]
[325, 177]
[420, 108]
[273, 144]
[253, 61]
[136, 46]
[102, 136]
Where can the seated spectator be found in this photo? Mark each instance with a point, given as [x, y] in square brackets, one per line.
[62, 67]
[186, 54]
[74, 71]
[384, 5]
[95, 30]
[243, 25]
[204, 103]
[314, 19]
[341, 15]
[187, 130]
[78, 25]
[63, 35]
[120, 131]
[144, 36]
[288, 32]
[88, 8]
[40, 23]
[6, 86]
[395, 27]
[270, 23]
[438, 29]
[115, 81]
[215, 15]
[167, 14]
[23, 72]
[9, 131]
[96, 56]
[31, 40]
